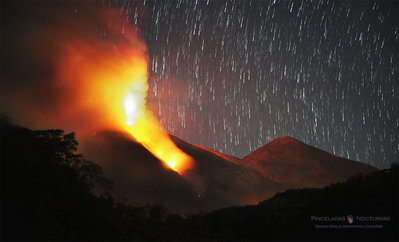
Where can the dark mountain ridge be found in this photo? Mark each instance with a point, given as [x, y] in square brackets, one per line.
[217, 180]
[46, 190]
[295, 164]
[139, 176]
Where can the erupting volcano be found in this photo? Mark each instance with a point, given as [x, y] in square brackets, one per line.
[100, 81]
[199, 120]
[143, 126]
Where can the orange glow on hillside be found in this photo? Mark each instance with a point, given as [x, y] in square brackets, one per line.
[141, 123]
[105, 86]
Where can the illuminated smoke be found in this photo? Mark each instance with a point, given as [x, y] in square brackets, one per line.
[100, 78]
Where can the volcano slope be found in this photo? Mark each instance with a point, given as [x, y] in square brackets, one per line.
[46, 195]
[141, 178]
[297, 165]
[217, 180]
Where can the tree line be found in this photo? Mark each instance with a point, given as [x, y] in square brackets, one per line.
[50, 192]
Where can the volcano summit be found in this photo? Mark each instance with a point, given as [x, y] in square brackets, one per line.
[216, 180]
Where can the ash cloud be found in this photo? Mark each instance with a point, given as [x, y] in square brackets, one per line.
[40, 43]
[51, 54]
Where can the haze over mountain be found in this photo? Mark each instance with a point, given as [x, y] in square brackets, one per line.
[296, 165]
[217, 180]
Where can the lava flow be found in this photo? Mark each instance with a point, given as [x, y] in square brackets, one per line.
[143, 126]
[104, 86]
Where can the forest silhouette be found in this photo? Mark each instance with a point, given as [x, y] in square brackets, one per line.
[50, 192]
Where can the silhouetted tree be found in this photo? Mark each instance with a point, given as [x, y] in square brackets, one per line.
[46, 185]
[47, 194]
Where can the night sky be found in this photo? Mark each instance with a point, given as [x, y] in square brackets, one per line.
[234, 75]
[324, 72]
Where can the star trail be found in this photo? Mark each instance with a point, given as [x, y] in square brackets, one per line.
[228, 75]
[234, 75]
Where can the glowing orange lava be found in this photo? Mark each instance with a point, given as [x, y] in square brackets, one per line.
[141, 123]
[104, 85]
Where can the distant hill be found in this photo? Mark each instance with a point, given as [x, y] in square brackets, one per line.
[217, 180]
[296, 165]
[140, 177]
[46, 190]
[220, 176]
